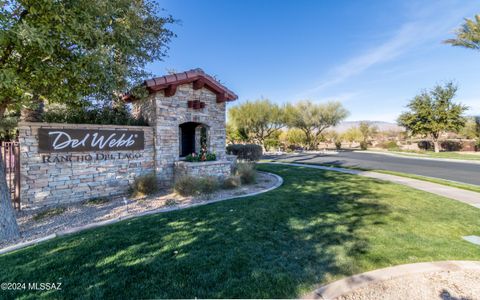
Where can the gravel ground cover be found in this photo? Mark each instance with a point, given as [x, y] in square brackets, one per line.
[444, 285]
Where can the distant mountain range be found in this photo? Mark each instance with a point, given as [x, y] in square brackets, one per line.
[382, 126]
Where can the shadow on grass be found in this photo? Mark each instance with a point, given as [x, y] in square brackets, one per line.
[310, 158]
[276, 245]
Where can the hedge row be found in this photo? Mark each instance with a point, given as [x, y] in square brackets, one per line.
[248, 152]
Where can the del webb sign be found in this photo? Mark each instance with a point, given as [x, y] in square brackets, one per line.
[89, 140]
[54, 140]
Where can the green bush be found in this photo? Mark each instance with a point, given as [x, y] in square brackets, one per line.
[390, 145]
[49, 213]
[451, 145]
[232, 182]
[211, 156]
[425, 145]
[247, 152]
[247, 172]
[363, 145]
[91, 114]
[186, 186]
[198, 158]
[208, 184]
[195, 186]
[144, 185]
[338, 145]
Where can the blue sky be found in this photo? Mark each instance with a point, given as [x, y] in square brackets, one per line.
[373, 56]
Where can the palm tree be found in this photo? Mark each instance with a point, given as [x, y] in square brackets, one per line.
[468, 35]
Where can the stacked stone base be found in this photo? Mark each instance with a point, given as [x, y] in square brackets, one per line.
[218, 168]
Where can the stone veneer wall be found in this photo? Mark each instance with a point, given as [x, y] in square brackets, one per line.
[220, 169]
[44, 183]
[165, 114]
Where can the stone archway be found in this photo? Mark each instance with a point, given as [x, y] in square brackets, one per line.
[193, 136]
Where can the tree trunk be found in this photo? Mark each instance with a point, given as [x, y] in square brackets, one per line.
[3, 109]
[8, 222]
[436, 146]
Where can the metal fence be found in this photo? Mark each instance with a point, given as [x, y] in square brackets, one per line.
[10, 153]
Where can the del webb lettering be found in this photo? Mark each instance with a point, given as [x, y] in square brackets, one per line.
[87, 140]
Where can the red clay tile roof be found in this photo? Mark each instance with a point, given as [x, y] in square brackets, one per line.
[197, 76]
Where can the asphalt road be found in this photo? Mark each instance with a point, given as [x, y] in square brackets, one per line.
[461, 172]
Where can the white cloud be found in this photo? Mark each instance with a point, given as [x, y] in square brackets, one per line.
[429, 27]
[341, 97]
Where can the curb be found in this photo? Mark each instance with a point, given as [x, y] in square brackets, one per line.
[350, 284]
[412, 156]
[140, 214]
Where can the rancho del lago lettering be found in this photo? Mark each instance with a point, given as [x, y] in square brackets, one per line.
[90, 158]
[84, 140]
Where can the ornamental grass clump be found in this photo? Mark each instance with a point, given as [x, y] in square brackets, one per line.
[144, 185]
[196, 186]
[232, 182]
[247, 172]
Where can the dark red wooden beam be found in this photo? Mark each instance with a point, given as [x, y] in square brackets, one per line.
[170, 90]
[198, 84]
[221, 97]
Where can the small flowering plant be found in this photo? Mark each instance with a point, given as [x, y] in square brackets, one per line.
[203, 156]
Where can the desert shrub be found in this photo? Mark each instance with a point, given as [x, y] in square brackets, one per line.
[425, 145]
[338, 145]
[390, 145]
[247, 172]
[232, 182]
[194, 186]
[186, 186]
[170, 202]
[451, 145]
[247, 152]
[97, 201]
[272, 143]
[49, 213]
[208, 184]
[363, 145]
[144, 185]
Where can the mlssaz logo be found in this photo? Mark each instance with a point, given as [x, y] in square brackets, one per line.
[83, 140]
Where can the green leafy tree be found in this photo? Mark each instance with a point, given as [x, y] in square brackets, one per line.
[67, 51]
[472, 128]
[352, 135]
[8, 126]
[367, 131]
[468, 35]
[235, 135]
[433, 112]
[259, 120]
[313, 118]
[273, 142]
[293, 137]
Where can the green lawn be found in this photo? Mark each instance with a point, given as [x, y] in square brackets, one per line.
[318, 227]
[459, 185]
[455, 184]
[431, 154]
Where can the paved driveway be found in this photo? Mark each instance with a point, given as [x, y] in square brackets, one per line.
[462, 172]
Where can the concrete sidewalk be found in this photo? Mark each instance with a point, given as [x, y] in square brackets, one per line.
[461, 195]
